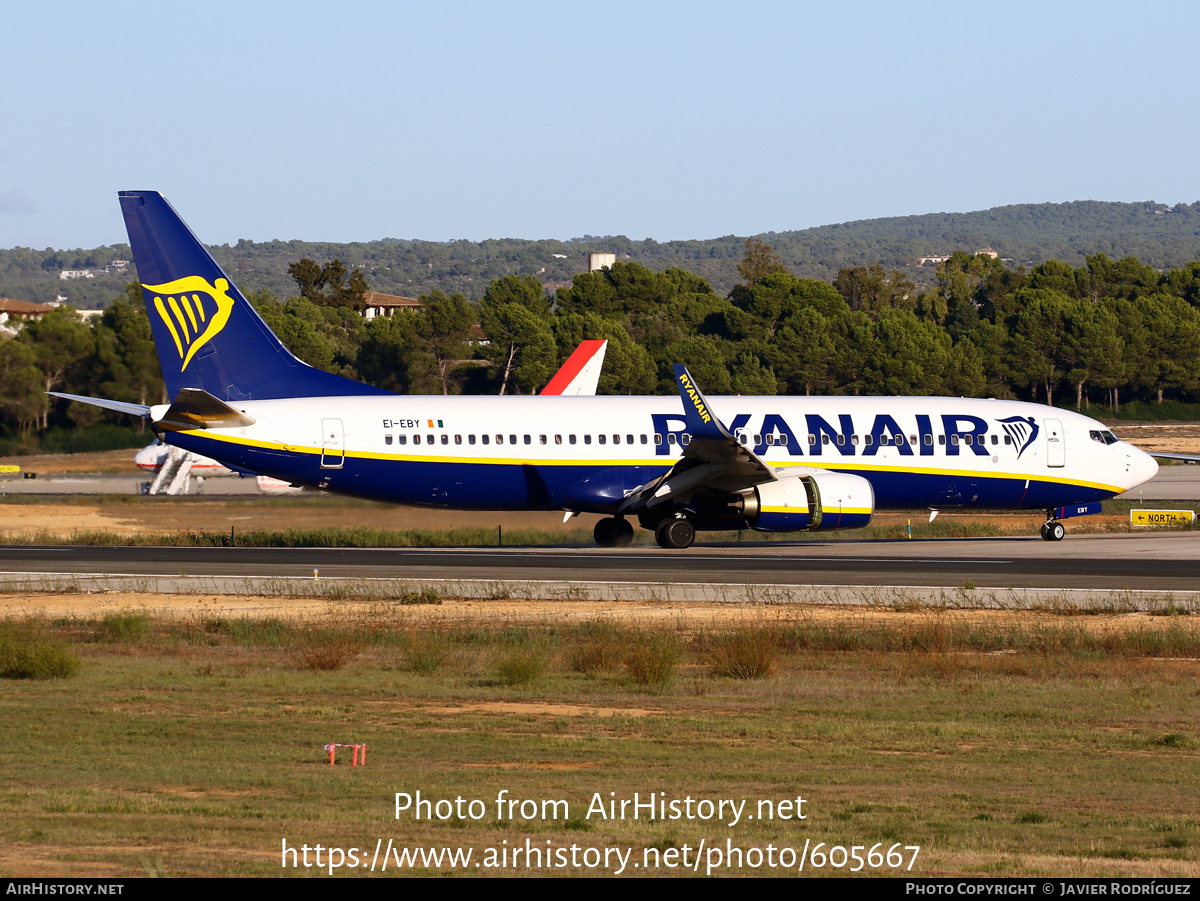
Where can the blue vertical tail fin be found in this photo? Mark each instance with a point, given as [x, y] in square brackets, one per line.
[207, 334]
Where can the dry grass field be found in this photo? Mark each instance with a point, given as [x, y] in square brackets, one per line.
[190, 739]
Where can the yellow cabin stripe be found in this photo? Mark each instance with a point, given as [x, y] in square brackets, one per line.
[652, 462]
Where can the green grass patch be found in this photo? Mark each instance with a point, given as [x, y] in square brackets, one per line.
[652, 658]
[27, 651]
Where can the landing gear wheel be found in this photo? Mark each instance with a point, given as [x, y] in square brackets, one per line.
[675, 534]
[1053, 531]
[622, 532]
[613, 532]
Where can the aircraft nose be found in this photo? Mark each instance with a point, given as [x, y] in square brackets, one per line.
[1140, 467]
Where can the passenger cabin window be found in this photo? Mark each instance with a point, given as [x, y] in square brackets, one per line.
[529, 440]
[541, 439]
[629, 439]
[670, 437]
[572, 439]
[929, 441]
[825, 439]
[941, 439]
[644, 440]
[403, 439]
[685, 439]
[770, 440]
[899, 440]
[601, 438]
[854, 439]
[483, 438]
[587, 439]
[470, 439]
[445, 439]
[995, 439]
[558, 439]
[812, 439]
[657, 439]
[458, 439]
[499, 439]
[512, 439]
[912, 439]
[867, 440]
[1008, 439]
[416, 439]
[783, 439]
[841, 439]
[387, 439]
[954, 439]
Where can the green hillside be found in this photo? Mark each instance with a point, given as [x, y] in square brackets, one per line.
[1027, 234]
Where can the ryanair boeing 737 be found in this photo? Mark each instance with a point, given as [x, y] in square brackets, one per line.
[674, 464]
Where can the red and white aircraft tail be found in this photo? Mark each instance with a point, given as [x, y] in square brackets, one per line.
[580, 374]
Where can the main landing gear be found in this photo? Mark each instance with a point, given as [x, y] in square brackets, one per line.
[613, 531]
[1053, 530]
[675, 534]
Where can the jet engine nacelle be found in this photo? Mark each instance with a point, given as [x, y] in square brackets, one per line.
[811, 502]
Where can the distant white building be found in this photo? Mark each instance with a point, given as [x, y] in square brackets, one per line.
[67, 274]
[377, 304]
[601, 261]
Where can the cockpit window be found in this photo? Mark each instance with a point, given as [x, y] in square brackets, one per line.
[1110, 438]
[1103, 436]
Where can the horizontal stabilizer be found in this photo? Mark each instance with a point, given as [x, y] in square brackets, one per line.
[118, 405]
[195, 408]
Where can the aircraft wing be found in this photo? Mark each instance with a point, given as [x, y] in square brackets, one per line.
[1183, 458]
[712, 458]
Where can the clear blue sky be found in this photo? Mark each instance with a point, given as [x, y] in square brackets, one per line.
[355, 121]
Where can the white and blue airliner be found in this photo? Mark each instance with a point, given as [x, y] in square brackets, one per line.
[675, 464]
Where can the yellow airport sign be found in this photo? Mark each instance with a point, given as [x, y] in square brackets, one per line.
[9, 469]
[1161, 517]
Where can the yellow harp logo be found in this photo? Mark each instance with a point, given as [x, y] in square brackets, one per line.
[193, 311]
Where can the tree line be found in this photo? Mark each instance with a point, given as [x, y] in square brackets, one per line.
[1028, 234]
[1104, 333]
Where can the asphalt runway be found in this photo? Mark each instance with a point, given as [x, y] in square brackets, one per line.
[1159, 562]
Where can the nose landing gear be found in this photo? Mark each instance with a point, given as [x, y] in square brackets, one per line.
[1053, 530]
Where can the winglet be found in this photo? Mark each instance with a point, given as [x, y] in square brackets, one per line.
[701, 421]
